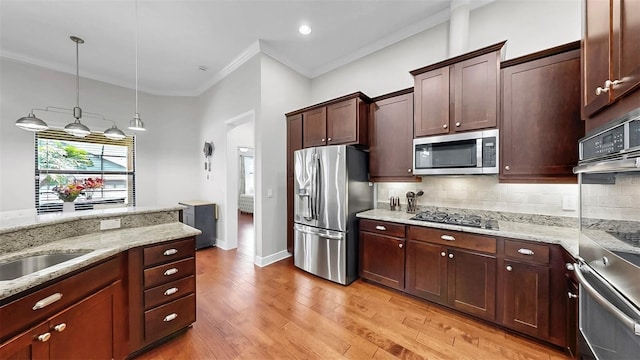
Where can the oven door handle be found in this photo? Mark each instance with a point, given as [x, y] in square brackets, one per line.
[622, 317]
[608, 166]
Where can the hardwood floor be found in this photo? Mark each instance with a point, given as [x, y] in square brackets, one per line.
[246, 236]
[281, 312]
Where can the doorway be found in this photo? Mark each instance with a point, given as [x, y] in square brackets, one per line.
[246, 193]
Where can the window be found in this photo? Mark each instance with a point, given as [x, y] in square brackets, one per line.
[63, 159]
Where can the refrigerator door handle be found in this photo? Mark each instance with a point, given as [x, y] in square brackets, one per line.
[323, 234]
[318, 181]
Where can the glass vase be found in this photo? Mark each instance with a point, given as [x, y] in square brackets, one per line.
[68, 206]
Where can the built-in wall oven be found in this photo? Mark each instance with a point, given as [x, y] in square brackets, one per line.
[608, 267]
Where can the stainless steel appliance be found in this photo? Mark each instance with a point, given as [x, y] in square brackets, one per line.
[456, 219]
[331, 185]
[608, 267]
[457, 154]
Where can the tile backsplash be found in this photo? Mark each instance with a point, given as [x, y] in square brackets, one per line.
[486, 193]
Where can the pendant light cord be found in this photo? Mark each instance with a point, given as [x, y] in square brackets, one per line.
[136, 56]
[77, 75]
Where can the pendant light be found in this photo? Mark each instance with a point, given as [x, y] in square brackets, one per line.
[31, 123]
[76, 128]
[136, 123]
[114, 133]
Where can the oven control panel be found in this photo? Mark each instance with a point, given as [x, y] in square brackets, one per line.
[634, 134]
[608, 142]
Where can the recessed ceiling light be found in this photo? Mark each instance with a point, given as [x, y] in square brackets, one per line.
[305, 29]
[202, 68]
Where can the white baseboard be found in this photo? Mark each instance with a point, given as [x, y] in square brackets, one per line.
[268, 260]
[223, 245]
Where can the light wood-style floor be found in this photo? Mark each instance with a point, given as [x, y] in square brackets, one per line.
[281, 312]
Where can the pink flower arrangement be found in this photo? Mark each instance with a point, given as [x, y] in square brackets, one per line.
[91, 185]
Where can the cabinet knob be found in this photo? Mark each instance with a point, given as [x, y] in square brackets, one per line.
[443, 254]
[609, 84]
[450, 256]
[457, 124]
[329, 139]
[322, 139]
[509, 268]
[572, 295]
[408, 170]
[569, 266]
[44, 337]
[400, 245]
[445, 126]
[601, 90]
[507, 167]
[60, 327]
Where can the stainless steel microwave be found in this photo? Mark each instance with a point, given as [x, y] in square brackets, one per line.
[457, 154]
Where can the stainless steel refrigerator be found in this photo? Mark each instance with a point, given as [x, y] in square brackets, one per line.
[331, 185]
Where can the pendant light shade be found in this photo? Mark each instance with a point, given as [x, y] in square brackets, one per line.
[77, 129]
[136, 123]
[31, 123]
[114, 133]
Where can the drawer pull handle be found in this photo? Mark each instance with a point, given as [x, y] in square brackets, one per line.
[171, 291]
[381, 228]
[170, 317]
[572, 295]
[447, 238]
[171, 272]
[47, 301]
[170, 252]
[526, 252]
[60, 327]
[44, 337]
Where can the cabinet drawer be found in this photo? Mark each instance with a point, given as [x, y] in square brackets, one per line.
[535, 253]
[169, 251]
[162, 274]
[454, 239]
[382, 227]
[169, 292]
[169, 318]
[19, 314]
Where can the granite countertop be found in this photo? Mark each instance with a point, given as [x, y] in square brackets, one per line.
[567, 237]
[24, 234]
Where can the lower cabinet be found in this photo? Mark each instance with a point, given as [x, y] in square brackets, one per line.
[382, 247]
[449, 268]
[161, 291]
[517, 284]
[85, 330]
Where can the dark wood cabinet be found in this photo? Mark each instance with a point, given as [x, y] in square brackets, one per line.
[454, 269]
[85, 330]
[314, 127]
[426, 271]
[543, 119]
[526, 298]
[382, 253]
[294, 142]
[610, 53]
[391, 137]
[161, 291]
[458, 94]
[335, 122]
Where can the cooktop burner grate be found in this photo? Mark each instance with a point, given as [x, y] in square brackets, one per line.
[456, 219]
[631, 238]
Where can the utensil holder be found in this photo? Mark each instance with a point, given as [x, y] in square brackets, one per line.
[411, 205]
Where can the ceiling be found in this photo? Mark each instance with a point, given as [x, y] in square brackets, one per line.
[177, 37]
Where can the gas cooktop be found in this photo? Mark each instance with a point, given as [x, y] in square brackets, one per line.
[457, 219]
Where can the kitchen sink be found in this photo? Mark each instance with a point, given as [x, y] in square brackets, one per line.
[27, 265]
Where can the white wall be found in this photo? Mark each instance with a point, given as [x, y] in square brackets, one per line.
[235, 95]
[283, 90]
[528, 26]
[160, 148]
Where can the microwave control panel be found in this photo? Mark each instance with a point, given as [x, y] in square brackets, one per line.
[489, 152]
[608, 142]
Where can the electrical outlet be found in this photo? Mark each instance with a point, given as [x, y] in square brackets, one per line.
[269, 193]
[110, 224]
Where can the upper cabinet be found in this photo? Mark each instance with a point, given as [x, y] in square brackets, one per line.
[610, 52]
[391, 137]
[335, 122]
[458, 94]
[540, 124]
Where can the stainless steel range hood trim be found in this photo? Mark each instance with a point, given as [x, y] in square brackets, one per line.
[608, 166]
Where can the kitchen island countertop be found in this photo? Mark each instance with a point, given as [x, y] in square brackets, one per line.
[567, 237]
[102, 244]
